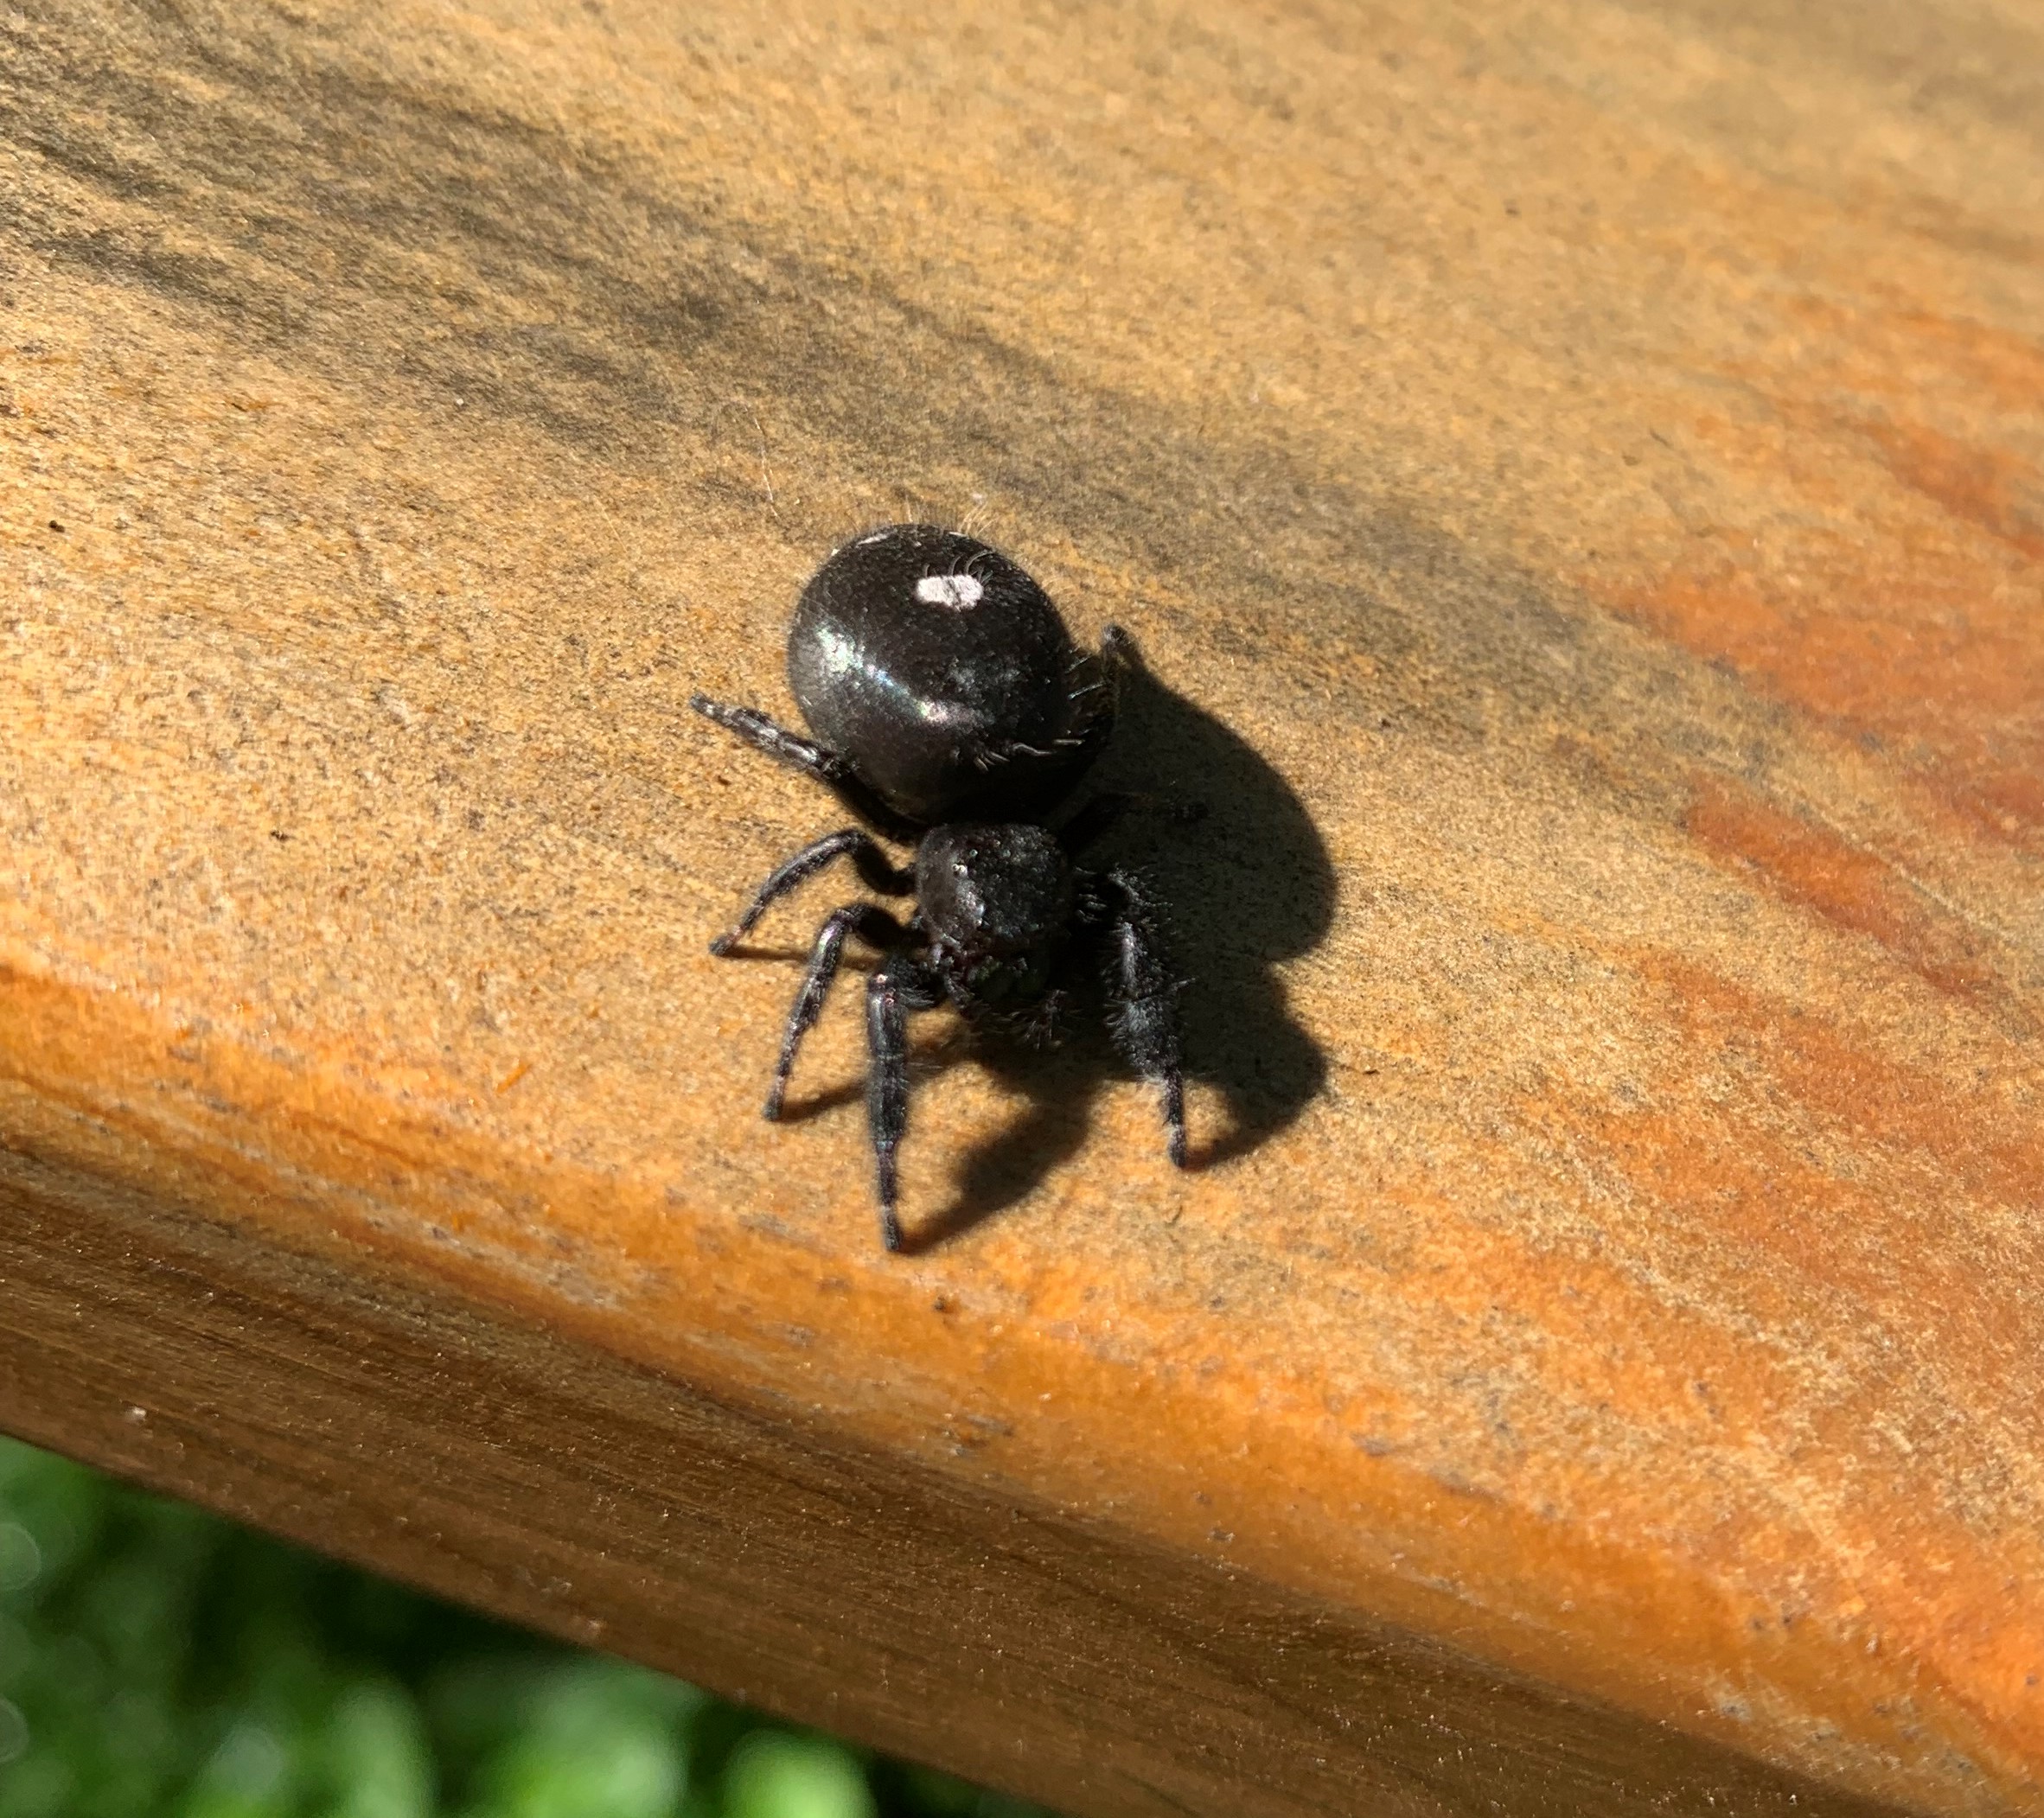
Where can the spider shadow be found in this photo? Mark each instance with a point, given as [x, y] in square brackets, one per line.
[1247, 884]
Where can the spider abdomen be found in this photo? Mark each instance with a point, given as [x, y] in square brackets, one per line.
[944, 674]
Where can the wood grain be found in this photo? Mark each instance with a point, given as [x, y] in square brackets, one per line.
[1574, 473]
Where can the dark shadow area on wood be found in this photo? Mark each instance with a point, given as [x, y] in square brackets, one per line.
[1247, 885]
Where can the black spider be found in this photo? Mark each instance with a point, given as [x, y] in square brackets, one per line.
[955, 712]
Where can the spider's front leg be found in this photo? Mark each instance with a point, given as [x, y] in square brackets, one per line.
[1145, 995]
[903, 983]
[777, 742]
[1106, 811]
[873, 925]
[827, 766]
[876, 870]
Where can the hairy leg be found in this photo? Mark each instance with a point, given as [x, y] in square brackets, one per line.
[1099, 816]
[1144, 996]
[903, 984]
[1106, 811]
[813, 759]
[875, 926]
[1099, 697]
[876, 870]
[1094, 685]
[777, 742]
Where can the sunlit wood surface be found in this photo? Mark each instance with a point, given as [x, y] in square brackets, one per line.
[1573, 471]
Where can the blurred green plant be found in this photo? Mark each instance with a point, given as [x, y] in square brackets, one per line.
[156, 1662]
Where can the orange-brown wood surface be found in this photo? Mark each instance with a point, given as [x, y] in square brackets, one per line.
[1573, 473]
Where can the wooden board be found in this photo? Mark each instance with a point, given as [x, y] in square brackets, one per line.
[1573, 474]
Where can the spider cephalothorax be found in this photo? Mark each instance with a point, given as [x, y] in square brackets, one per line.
[997, 900]
[955, 712]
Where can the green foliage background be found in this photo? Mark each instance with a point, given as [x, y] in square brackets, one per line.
[156, 1662]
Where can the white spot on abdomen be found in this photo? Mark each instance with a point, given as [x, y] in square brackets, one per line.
[957, 591]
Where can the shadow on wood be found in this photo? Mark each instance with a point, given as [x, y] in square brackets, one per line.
[1246, 885]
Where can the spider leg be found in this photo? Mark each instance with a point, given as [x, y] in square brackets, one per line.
[903, 982]
[1144, 996]
[1099, 815]
[1093, 687]
[826, 766]
[1105, 811]
[1096, 693]
[876, 870]
[777, 742]
[874, 926]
